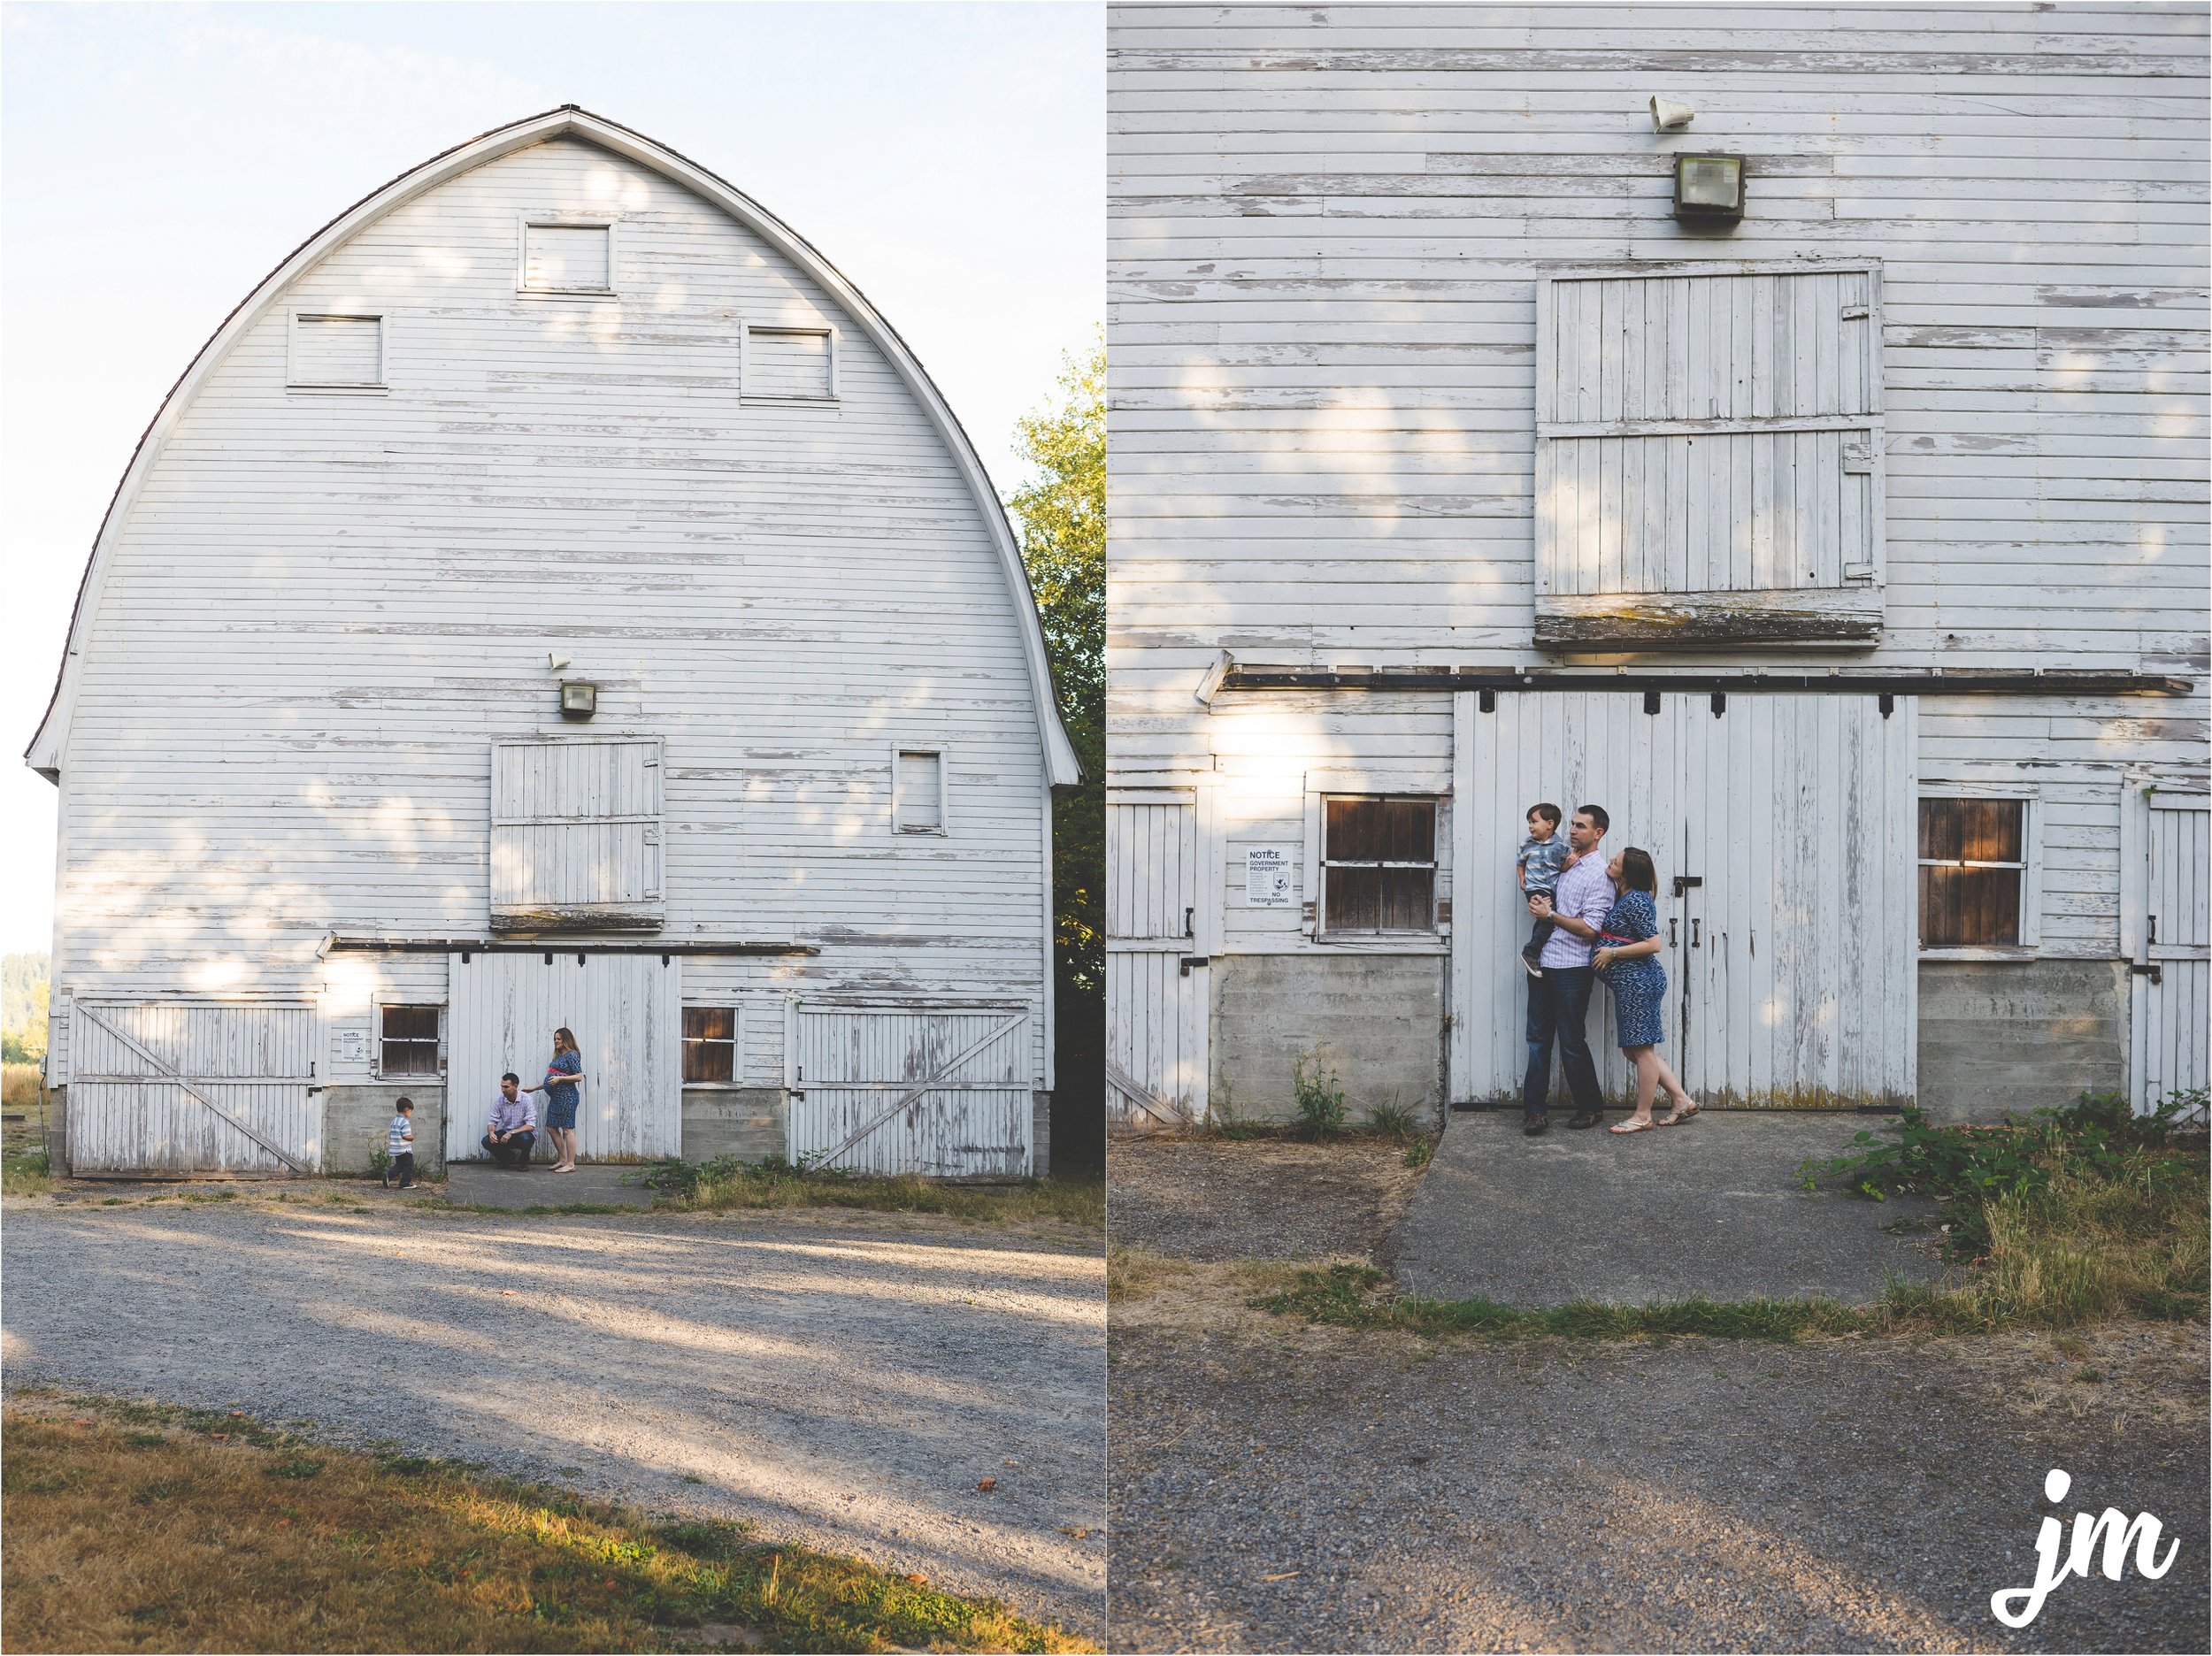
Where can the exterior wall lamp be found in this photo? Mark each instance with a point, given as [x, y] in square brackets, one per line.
[1708, 189]
[579, 700]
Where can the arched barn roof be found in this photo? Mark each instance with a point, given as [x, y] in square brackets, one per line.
[568, 121]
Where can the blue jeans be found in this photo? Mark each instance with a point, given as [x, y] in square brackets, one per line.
[1558, 1004]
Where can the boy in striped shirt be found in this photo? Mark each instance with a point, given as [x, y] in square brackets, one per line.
[399, 1145]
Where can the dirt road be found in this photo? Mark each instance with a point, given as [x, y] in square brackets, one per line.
[844, 1380]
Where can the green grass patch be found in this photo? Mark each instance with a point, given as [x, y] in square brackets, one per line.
[726, 1184]
[24, 1173]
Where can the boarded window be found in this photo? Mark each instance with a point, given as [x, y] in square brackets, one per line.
[1378, 864]
[1973, 865]
[337, 351]
[710, 1044]
[921, 791]
[407, 1041]
[567, 258]
[1708, 457]
[576, 835]
[790, 362]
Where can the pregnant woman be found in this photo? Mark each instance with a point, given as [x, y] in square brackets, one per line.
[1627, 959]
[559, 1087]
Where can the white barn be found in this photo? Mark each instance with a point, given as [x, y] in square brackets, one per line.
[1467, 451]
[555, 595]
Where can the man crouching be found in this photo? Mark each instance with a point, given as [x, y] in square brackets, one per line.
[514, 1125]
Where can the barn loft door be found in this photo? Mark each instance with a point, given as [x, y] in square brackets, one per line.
[576, 835]
[1791, 960]
[1163, 921]
[942, 1091]
[2168, 898]
[627, 1013]
[180, 1086]
[1710, 457]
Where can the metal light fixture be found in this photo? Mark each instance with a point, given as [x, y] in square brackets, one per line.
[1708, 189]
[1668, 116]
[579, 700]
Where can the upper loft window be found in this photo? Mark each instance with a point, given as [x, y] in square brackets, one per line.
[335, 352]
[1378, 864]
[1974, 873]
[567, 257]
[789, 365]
[919, 789]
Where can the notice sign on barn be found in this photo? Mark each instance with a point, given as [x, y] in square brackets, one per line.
[1267, 876]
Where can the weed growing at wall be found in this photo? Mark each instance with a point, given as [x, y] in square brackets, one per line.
[1320, 1101]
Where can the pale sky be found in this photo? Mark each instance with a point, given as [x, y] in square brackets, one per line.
[159, 160]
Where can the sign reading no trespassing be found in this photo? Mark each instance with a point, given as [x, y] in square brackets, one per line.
[1267, 876]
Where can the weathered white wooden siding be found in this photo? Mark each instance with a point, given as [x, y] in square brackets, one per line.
[318, 613]
[162, 1086]
[625, 1012]
[945, 1091]
[1792, 967]
[1330, 228]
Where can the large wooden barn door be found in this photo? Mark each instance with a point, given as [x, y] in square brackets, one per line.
[1163, 918]
[1782, 833]
[2168, 915]
[181, 1087]
[942, 1091]
[626, 1012]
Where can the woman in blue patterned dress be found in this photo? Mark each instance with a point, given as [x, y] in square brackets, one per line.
[559, 1087]
[1627, 959]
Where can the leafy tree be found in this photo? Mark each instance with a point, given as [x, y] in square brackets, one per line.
[23, 1003]
[1063, 520]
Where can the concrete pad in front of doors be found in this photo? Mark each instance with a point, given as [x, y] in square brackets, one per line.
[1711, 1207]
[483, 1184]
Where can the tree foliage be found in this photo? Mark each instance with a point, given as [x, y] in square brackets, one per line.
[1063, 520]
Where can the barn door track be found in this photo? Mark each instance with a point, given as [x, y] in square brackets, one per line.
[1711, 1207]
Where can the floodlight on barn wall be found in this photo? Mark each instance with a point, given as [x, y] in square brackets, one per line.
[579, 700]
[1708, 189]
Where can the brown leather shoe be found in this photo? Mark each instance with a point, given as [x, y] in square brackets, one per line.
[1584, 1118]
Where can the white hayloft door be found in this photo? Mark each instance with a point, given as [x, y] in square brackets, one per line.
[626, 1013]
[576, 835]
[188, 1087]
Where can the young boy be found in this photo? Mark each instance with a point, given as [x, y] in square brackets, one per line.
[399, 1144]
[1544, 856]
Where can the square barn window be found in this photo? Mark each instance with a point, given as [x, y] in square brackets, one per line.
[336, 353]
[408, 1040]
[568, 258]
[1378, 864]
[920, 787]
[1973, 871]
[793, 364]
[710, 1044]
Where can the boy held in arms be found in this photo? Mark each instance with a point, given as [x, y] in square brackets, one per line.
[399, 1145]
[1543, 857]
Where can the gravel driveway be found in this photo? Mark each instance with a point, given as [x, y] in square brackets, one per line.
[1275, 1487]
[1211, 1199]
[844, 1380]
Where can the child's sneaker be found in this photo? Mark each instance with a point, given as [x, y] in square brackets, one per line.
[1529, 965]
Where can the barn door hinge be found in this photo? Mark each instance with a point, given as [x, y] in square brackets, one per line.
[1688, 883]
[1858, 458]
[1190, 960]
[1858, 574]
[2149, 970]
[1857, 312]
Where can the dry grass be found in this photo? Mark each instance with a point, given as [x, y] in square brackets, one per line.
[18, 1086]
[134, 1528]
[1137, 1273]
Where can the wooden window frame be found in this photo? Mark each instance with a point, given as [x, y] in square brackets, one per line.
[378, 1008]
[736, 1010]
[380, 386]
[943, 829]
[2030, 926]
[526, 222]
[819, 330]
[1320, 790]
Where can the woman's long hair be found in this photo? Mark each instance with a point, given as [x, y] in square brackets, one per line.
[564, 1040]
[1637, 871]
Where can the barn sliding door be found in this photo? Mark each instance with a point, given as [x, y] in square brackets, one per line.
[1782, 834]
[627, 1013]
[184, 1086]
[2167, 929]
[942, 1091]
[1163, 918]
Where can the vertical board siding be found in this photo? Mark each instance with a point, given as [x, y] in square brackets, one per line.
[854, 1063]
[255, 1061]
[1792, 970]
[627, 1013]
[575, 825]
[1750, 502]
[2178, 1008]
[1156, 1036]
[1151, 873]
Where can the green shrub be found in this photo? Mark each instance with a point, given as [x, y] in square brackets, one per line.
[1320, 1100]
